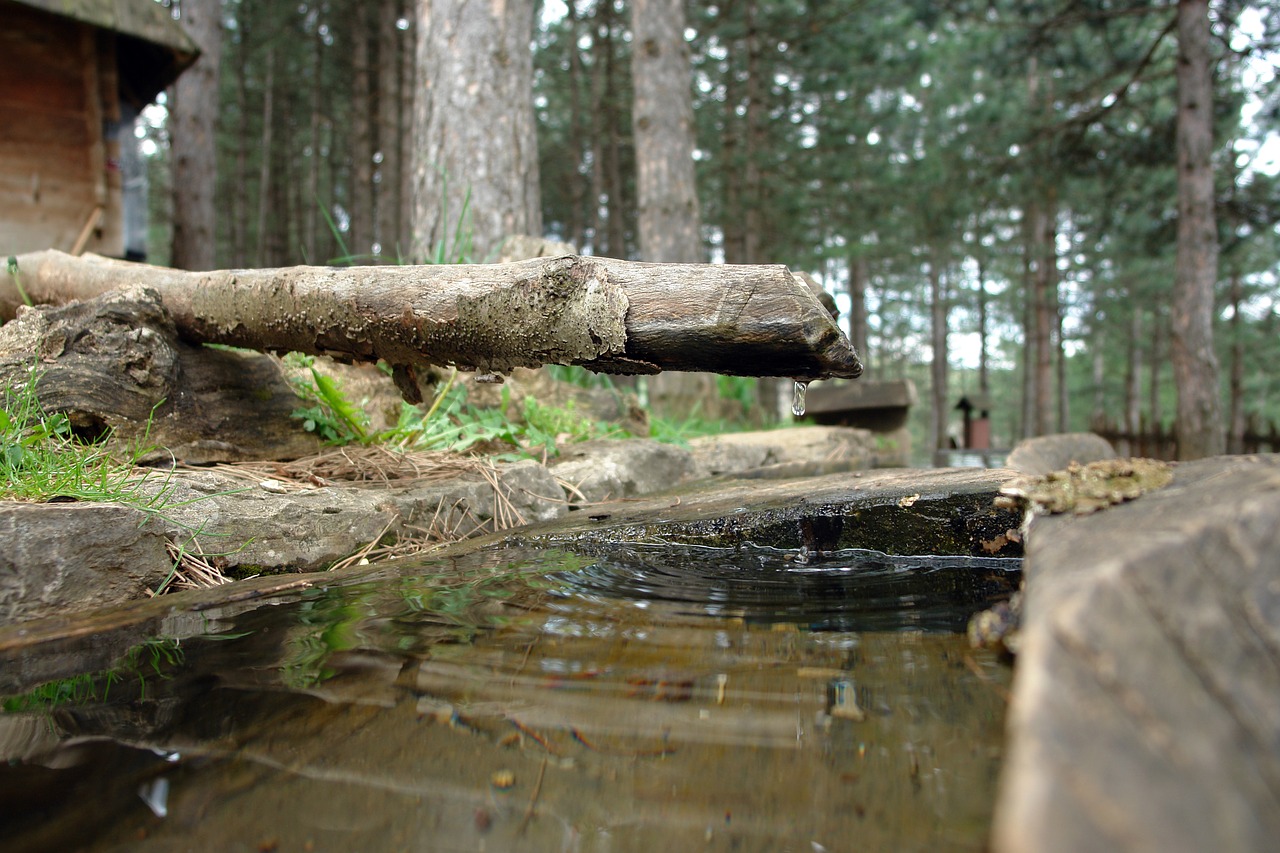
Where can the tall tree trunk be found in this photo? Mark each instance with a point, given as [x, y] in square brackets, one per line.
[984, 378]
[575, 225]
[1133, 389]
[1154, 363]
[390, 185]
[265, 153]
[360, 237]
[1098, 415]
[1044, 311]
[474, 126]
[752, 175]
[408, 90]
[1060, 361]
[662, 123]
[1028, 336]
[1041, 265]
[858, 278]
[193, 114]
[732, 145]
[1235, 442]
[1195, 365]
[596, 223]
[311, 237]
[938, 311]
[610, 108]
[240, 192]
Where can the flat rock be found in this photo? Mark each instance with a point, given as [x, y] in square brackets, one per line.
[1046, 453]
[797, 451]
[60, 556]
[254, 528]
[55, 557]
[1144, 713]
[611, 469]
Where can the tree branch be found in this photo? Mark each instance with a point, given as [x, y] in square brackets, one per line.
[607, 315]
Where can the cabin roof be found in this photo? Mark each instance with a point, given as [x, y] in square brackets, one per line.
[155, 49]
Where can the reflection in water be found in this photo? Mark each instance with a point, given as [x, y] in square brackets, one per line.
[629, 700]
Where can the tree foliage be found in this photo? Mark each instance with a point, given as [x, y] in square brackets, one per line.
[1014, 153]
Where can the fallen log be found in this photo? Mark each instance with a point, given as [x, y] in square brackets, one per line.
[606, 315]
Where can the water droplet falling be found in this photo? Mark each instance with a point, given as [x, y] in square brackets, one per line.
[797, 398]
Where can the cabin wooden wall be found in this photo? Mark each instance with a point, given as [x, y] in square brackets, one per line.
[60, 183]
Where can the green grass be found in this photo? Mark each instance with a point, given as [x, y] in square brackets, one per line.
[530, 430]
[42, 459]
[17, 280]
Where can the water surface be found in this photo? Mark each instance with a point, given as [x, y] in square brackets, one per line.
[620, 699]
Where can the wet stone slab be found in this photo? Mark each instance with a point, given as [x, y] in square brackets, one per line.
[1144, 714]
[897, 511]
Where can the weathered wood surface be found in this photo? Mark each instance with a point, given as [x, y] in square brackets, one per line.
[115, 362]
[1145, 713]
[606, 315]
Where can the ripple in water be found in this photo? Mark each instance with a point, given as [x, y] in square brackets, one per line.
[851, 590]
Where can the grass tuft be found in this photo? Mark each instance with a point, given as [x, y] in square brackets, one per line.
[42, 459]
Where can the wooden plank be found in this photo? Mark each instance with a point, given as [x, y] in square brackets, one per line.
[48, 184]
[141, 19]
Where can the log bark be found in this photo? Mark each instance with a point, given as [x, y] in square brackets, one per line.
[606, 315]
[115, 365]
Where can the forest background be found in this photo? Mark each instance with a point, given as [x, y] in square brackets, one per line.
[990, 189]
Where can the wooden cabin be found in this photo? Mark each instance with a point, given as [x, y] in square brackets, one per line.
[74, 74]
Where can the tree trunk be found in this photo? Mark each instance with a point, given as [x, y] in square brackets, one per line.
[596, 223]
[575, 224]
[752, 176]
[662, 124]
[240, 192]
[1060, 361]
[264, 173]
[1235, 442]
[616, 223]
[1098, 416]
[408, 90]
[938, 310]
[984, 378]
[1133, 389]
[360, 236]
[1195, 365]
[858, 277]
[193, 114]
[1043, 297]
[607, 315]
[390, 185]
[474, 132]
[1153, 370]
[1028, 336]
[311, 237]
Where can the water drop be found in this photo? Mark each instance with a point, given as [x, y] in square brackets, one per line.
[490, 378]
[797, 398]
